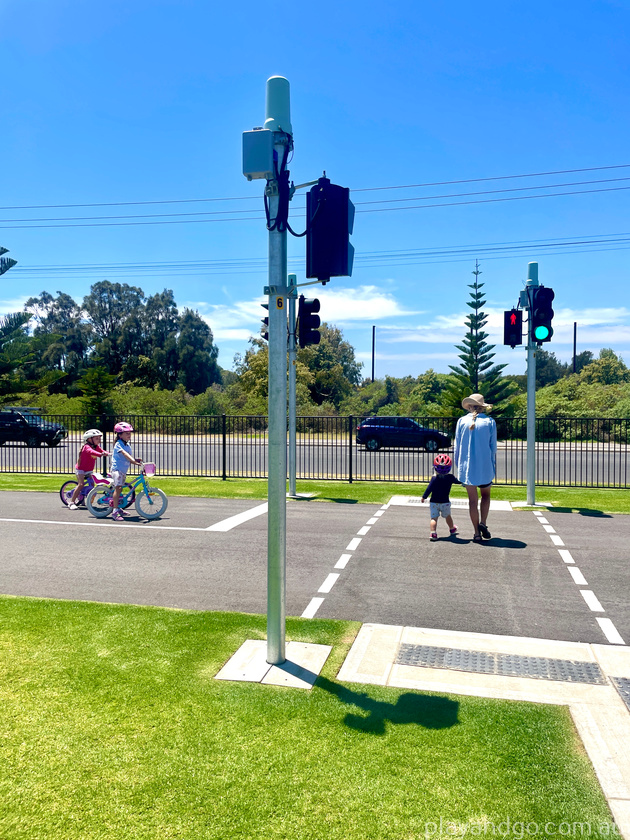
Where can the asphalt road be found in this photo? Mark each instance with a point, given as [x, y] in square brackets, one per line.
[566, 580]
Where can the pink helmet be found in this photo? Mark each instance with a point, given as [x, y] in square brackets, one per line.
[442, 463]
[123, 427]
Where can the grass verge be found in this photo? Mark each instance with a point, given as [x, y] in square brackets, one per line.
[570, 499]
[112, 726]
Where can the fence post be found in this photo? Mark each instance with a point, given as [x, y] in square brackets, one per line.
[350, 449]
[224, 447]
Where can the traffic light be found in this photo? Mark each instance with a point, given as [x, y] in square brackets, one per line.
[329, 222]
[541, 314]
[513, 327]
[308, 322]
[264, 330]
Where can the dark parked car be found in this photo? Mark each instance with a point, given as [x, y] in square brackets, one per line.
[31, 429]
[375, 432]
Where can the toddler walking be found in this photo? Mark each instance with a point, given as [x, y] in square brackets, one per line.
[439, 489]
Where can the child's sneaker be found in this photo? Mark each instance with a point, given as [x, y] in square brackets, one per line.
[433, 536]
[453, 531]
[117, 515]
[73, 506]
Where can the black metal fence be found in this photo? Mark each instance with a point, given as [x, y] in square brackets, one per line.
[570, 452]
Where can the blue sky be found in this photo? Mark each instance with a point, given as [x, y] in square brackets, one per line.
[118, 103]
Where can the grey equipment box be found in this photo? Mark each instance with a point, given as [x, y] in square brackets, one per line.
[258, 154]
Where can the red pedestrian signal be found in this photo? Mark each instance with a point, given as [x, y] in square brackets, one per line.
[513, 327]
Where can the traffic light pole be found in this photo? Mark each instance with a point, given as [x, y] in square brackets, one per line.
[277, 119]
[532, 282]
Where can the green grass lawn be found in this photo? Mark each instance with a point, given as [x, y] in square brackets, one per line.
[112, 726]
[584, 500]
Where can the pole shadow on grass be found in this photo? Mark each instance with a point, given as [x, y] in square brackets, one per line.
[420, 709]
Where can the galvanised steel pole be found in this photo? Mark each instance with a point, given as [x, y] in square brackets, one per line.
[277, 120]
[292, 383]
[532, 281]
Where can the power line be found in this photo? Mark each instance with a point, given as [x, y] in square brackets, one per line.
[358, 189]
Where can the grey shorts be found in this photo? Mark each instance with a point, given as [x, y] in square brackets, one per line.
[437, 508]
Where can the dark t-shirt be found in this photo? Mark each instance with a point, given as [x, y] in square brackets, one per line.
[440, 487]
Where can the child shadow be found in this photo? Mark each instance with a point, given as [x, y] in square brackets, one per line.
[418, 709]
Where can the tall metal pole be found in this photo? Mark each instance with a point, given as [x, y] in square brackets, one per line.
[292, 383]
[277, 120]
[574, 345]
[373, 342]
[532, 281]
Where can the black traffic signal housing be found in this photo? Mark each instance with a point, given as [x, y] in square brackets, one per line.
[264, 330]
[513, 327]
[308, 321]
[541, 314]
[329, 223]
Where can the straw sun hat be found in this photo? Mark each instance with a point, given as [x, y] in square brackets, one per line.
[475, 401]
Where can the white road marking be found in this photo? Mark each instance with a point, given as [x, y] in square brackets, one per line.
[353, 544]
[566, 555]
[312, 608]
[104, 524]
[549, 528]
[343, 561]
[555, 539]
[372, 521]
[537, 513]
[591, 600]
[328, 584]
[610, 631]
[238, 519]
[379, 513]
[577, 576]
[363, 531]
[542, 520]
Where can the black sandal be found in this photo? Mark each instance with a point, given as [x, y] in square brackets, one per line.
[477, 538]
[484, 531]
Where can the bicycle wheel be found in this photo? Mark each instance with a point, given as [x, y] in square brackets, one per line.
[98, 501]
[66, 491]
[151, 505]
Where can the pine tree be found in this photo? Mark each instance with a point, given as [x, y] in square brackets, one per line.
[477, 374]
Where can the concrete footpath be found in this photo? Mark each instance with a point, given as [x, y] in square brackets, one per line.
[592, 680]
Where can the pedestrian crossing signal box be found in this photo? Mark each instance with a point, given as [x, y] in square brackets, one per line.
[513, 327]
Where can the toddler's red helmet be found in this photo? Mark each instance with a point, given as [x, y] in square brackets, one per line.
[442, 463]
[123, 427]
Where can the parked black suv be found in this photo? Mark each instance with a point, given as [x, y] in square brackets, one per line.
[375, 432]
[31, 429]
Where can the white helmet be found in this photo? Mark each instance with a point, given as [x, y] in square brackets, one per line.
[92, 433]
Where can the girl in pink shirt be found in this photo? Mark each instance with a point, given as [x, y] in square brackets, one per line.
[90, 451]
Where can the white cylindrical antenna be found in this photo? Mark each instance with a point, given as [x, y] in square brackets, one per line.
[278, 105]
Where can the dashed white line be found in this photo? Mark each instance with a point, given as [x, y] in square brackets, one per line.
[328, 584]
[555, 539]
[610, 631]
[542, 519]
[343, 561]
[566, 555]
[372, 521]
[379, 513]
[312, 608]
[577, 576]
[363, 531]
[548, 528]
[353, 544]
[591, 600]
